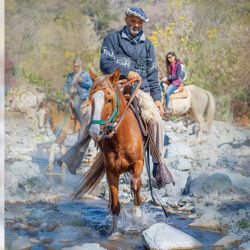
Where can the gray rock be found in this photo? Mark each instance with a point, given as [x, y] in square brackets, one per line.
[86, 246]
[210, 219]
[45, 239]
[227, 161]
[179, 149]
[161, 236]
[69, 233]
[33, 223]
[229, 239]
[52, 225]
[193, 187]
[245, 246]
[217, 183]
[9, 238]
[21, 243]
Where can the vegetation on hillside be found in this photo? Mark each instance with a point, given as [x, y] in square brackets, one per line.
[211, 37]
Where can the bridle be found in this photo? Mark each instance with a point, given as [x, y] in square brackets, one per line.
[111, 124]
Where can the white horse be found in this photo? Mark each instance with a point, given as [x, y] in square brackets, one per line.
[198, 105]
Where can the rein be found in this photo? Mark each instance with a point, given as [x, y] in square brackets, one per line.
[110, 123]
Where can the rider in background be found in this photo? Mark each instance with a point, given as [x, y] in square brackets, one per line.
[77, 86]
[173, 79]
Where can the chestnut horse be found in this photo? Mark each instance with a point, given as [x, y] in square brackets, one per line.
[120, 152]
[62, 121]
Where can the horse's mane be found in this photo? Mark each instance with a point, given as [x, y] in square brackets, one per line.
[60, 104]
[101, 81]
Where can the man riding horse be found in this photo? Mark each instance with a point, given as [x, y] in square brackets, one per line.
[77, 86]
[131, 52]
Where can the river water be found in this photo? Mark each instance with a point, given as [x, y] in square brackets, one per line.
[67, 223]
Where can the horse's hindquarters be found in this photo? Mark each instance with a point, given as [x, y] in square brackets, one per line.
[181, 106]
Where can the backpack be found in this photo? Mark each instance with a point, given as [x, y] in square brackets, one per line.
[184, 73]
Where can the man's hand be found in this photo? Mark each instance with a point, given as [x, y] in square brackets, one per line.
[159, 105]
[133, 74]
[79, 79]
[164, 79]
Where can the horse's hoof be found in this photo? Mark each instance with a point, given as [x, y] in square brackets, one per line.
[59, 162]
[49, 169]
[115, 236]
[137, 211]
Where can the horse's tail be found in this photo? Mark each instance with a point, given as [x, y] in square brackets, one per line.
[210, 110]
[92, 177]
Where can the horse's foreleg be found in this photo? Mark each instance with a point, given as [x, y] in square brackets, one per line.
[136, 182]
[115, 204]
[51, 157]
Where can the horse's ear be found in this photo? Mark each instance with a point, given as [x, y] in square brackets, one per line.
[114, 77]
[92, 75]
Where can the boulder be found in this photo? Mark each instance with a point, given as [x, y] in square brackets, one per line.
[86, 246]
[229, 239]
[203, 185]
[21, 243]
[245, 246]
[161, 236]
[210, 219]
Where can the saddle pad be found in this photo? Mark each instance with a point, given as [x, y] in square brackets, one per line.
[179, 95]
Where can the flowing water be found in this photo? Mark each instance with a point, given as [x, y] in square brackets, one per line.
[68, 223]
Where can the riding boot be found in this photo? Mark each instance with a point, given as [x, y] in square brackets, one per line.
[155, 166]
[73, 157]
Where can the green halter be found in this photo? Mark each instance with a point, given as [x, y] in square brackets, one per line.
[112, 117]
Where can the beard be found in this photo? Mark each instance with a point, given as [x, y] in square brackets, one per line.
[133, 31]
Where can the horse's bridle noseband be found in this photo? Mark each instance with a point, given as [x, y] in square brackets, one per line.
[110, 122]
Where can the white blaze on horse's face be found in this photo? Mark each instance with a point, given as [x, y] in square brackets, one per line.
[41, 116]
[95, 129]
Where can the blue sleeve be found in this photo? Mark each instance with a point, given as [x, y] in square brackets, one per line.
[108, 61]
[67, 83]
[86, 81]
[178, 73]
[152, 76]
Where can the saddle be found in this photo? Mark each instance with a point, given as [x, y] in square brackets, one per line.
[179, 93]
[127, 92]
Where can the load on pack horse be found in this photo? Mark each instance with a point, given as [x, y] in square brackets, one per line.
[115, 127]
[62, 121]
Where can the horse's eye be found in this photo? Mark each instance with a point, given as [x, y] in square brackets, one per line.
[109, 100]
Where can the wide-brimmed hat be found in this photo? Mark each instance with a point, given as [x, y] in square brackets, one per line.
[138, 12]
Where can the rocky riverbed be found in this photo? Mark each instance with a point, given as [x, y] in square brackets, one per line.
[212, 190]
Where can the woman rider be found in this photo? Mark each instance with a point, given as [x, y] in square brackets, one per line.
[173, 79]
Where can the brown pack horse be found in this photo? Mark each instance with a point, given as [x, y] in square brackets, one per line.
[121, 153]
[62, 121]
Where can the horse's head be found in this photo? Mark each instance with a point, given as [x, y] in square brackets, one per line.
[42, 113]
[104, 103]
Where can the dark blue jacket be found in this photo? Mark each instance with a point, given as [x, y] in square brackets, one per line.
[82, 88]
[118, 51]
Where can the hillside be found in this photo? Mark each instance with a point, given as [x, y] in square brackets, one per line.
[210, 36]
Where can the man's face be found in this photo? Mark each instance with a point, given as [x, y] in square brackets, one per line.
[134, 24]
[76, 67]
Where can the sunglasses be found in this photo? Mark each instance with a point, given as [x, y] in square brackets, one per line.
[169, 57]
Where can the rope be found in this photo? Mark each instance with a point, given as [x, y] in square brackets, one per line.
[152, 192]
